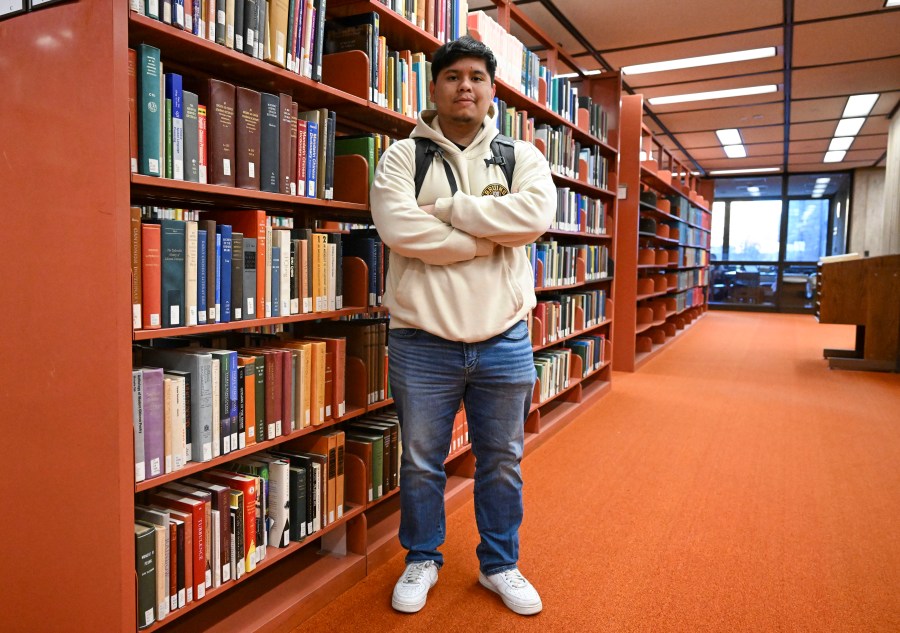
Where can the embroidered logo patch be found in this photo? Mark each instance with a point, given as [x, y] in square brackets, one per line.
[495, 190]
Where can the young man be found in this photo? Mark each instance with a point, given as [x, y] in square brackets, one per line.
[459, 288]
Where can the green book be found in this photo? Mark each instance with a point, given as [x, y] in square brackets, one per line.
[170, 167]
[150, 111]
[363, 145]
[377, 442]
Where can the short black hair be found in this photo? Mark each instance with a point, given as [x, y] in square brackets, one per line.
[461, 48]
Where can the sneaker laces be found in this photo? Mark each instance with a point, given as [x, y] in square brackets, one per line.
[414, 572]
[514, 578]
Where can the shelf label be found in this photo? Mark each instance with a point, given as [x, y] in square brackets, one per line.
[623, 191]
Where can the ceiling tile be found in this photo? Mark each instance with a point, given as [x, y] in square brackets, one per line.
[716, 119]
[698, 139]
[828, 167]
[742, 163]
[828, 42]
[870, 155]
[697, 47]
[764, 149]
[768, 134]
[814, 9]
[714, 84]
[846, 79]
[814, 146]
[871, 141]
[611, 24]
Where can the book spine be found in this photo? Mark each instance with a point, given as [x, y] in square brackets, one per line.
[251, 26]
[175, 92]
[301, 157]
[250, 277]
[136, 287]
[202, 144]
[312, 158]
[172, 242]
[191, 272]
[237, 276]
[151, 277]
[191, 137]
[201, 276]
[269, 144]
[221, 133]
[154, 421]
[225, 273]
[151, 111]
[137, 417]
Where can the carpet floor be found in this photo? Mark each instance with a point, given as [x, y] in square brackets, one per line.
[734, 483]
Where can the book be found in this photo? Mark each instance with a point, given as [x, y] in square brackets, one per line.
[247, 138]
[153, 403]
[195, 509]
[212, 265]
[220, 131]
[133, 108]
[151, 276]
[145, 567]
[135, 251]
[150, 112]
[284, 142]
[191, 272]
[191, 137]
[250, 279]
[363, 145]
[224, 231]
[172, 251]
[269, 143]
[137, 418]
[174, 92]
[237, 276]
[166, 588]
[202, 276]
[202, 142]
[199, 365]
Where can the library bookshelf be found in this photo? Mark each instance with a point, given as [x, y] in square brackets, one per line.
[66, 106]
[662, 244]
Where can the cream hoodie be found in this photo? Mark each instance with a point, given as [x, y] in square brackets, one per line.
[461, 272]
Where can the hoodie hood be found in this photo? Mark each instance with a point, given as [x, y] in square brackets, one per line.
[428, 126]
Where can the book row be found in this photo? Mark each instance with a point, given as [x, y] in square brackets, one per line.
[187, 273]
[557, 314]
[444, 19]
[398, 80]
[227, 135]
[569, 158]
[553, 371]
[592, 350]
[578, 212]
[193, 403]
[286, 33]
[559, 262]
[204, 531]
[689, 256]
[691, 278]
[690, 298]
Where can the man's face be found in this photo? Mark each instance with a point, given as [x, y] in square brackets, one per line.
[463, 92]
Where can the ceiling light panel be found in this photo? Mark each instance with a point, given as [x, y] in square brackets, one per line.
[841, 143]
[714, 94]
[735, 151]
[704, 60]
[834, 157]
[859, 105]
[729, 137]
[749, 170]
[849, 127]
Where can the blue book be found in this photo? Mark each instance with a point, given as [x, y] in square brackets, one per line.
[201, 276]
[312, 159]
[276, 281]
[225, 231]
[176, 94]
[218, 276]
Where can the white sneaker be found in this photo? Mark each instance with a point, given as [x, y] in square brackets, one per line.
[412, 588]
[518, 594]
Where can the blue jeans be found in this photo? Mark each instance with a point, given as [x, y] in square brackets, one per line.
[429, 377]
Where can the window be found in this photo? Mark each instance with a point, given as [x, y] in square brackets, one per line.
[718, 230]
[807, 230]
[754, 231]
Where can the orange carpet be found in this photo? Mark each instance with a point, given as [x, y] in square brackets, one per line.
[734, 483]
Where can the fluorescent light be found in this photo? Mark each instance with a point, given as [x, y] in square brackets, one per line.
[840, 143]
[753, 189]
[834, 157]
[859, 105]
[729, 137]
[751, 170]
[823, 181]
[849, 127]
[584, 72]
[714, 94]
[892, 3]
[735, 151]
[817, 195]
[703, 60]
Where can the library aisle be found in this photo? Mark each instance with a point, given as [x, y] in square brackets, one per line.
[735, 483]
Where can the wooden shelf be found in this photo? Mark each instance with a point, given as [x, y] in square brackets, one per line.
[583, 186]
[537, 348]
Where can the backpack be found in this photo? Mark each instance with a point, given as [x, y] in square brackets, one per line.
[503, 153]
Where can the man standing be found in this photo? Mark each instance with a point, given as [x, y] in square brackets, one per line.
[459, 288]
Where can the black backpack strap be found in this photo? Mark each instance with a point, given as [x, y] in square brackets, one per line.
[425, 151]
[503, 153]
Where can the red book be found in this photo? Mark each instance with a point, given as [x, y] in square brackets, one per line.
[151, 277]
[197, 509]
[247, 485]
[201, 138]
[273, 379]
[132, 109]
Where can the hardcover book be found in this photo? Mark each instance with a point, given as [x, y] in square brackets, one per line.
[150, 112]
[269, 143]
[221, 132]
[191, 137]
[248, 138]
